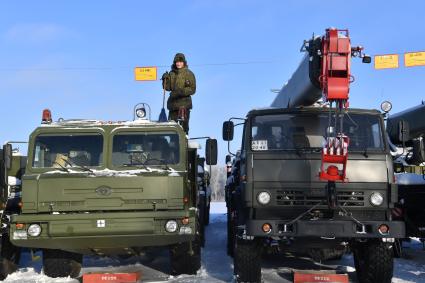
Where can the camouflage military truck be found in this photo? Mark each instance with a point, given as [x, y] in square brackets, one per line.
[276, 200]
[106, 188]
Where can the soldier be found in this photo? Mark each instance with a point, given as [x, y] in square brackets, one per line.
[181, 83]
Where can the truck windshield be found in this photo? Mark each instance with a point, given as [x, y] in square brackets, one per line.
[308, 130]
[68, 150]
[133, 149]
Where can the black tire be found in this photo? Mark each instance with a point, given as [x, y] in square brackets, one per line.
[247, 260]
[398, 248]
[182, 261]
[230, 234]
[202, 234]
[201, 217]
[10, 256]
[373, 261]
[207, 213]
[58, 263]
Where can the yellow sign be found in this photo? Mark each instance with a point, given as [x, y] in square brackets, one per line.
[414, 59]
[145, 73]
[389, 61]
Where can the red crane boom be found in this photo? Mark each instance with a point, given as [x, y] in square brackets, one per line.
[325, 73]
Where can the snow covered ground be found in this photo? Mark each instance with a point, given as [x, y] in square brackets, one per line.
[217, 266]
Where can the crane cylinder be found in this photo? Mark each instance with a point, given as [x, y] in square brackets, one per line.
[303, 88]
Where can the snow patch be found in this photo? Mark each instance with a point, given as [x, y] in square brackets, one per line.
[115, 173]
[13, 181]
[409, 179]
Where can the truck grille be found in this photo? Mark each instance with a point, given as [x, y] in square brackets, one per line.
[302, 198]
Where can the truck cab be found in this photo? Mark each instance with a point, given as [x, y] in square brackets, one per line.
[108, 188]
[274, 193]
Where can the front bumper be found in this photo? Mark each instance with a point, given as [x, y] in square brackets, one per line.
[102, 231]
[325, 228]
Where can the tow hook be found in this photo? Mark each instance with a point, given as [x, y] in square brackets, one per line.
[331, 194]
[362, 229]
[287, 228]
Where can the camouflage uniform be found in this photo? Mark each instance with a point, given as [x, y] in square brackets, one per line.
[182, 85]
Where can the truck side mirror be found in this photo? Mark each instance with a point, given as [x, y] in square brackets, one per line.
[211, 152]
[419, 150]
[403, 131]
[228, 158]
[366, 59]
[228, 130]
[7, 156]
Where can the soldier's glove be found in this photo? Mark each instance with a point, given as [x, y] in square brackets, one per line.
[166, 81]
[165, 76]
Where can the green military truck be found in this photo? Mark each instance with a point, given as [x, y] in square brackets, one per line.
[105, 188]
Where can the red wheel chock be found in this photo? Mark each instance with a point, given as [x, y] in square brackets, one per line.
[111, 277]
[319, 277]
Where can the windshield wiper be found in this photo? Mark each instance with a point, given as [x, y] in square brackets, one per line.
[138, 165]
[61, 166]
[300, 150]
[75, 165]
[145, 163]
[162, 161]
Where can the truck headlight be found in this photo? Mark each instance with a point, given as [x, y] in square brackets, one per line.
[376, 199]
[171, 226]
[34, 230]
[263, 198]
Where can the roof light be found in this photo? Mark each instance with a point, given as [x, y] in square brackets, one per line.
[46, 117]
[141, 113]
[386, 106]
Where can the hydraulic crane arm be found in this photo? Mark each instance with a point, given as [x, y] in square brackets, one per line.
[325, 72]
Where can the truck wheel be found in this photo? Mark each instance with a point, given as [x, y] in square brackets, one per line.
[201, 218]
[10, 256]
[58, 263]
[202, 236]
[207, 213]
[374, 262]
[398, 248]
[182, 260]
[230, 234]
[247, 261]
